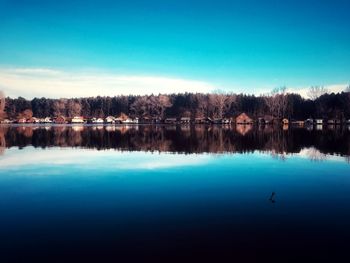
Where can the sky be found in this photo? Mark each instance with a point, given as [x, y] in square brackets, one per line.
[89, 48]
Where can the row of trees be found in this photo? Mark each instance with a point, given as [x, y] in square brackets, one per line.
[278, 104]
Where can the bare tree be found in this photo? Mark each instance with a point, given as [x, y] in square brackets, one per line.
[27, 114]
[316, 91]
[163, 103]
[269, 101]
[202, 105]
[151, 106]
[281, 101]
[277, 101]
[73, 108]
[59, 107]
[140, 106]
[220, 103]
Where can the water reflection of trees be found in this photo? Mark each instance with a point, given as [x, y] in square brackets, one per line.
[186, 139]
[2, 140]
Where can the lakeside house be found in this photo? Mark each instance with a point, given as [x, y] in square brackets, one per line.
[148, 120]
[170, 121]
[130, 121]
[77, 119]
[6, 121]
[46, 120]
[125, 119]
[110, 120]
[22, 120]
[334, 122]
[243, 118]
[319, 121]
[97, 120]
[122, 117]
[309, 121]
[33, 120]
[60, 120]
[298, 123]
[222, 121]
[185, 120]
[200, 120]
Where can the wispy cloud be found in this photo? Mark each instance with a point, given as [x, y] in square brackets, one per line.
[52, 83]
[40, 82]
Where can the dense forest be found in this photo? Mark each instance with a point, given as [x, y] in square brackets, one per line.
[278, 104]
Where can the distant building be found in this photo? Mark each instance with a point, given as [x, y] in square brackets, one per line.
[334, 122]
[222, 121]
[309, 121]
[185, 120]
[319, 121]
[60, 120]
[33, 120]
[22, 120]
[170, 121]
[130, 121]
[122, 117]
[46, 120]
[6, 121]
[77, 119]
[97, 120]
[243, 118]
[298, 123]
[110, 119]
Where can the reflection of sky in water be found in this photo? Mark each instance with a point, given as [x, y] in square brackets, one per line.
[74, 194]
[228, 172]
[31, 158]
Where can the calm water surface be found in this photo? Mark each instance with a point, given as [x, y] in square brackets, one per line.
[146, 194]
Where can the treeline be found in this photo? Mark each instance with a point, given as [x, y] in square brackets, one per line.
[278, 104]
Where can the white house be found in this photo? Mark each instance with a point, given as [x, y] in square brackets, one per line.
[319, 121]
[77, 119]
[98, 120]
[129, 121]
[47, 120]
[6, 121]
[110, 119]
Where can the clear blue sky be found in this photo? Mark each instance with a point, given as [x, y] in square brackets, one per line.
[248, 43]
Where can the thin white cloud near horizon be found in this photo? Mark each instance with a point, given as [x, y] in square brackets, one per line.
[40, 82]
[51, 83]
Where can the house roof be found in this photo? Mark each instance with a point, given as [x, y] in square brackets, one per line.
[243, 116]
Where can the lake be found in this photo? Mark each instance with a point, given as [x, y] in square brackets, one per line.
[174, 193]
